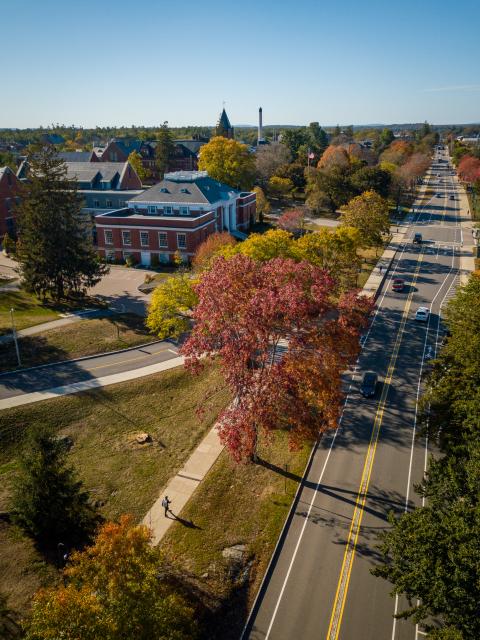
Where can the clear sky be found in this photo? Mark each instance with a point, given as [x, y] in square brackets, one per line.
[126, 62]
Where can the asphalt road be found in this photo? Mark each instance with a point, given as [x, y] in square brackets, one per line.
[56, 375]
[319, 585]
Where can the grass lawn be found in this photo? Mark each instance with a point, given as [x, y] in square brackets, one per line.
[122, 476]
[369, 260]
[236, 504]
[28, 310]
[83, 338]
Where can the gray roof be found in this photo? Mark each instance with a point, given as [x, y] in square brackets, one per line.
[191, 187]
[75, 156]
[192, 145]
[87, 171]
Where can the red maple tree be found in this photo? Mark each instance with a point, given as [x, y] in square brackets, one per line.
[283, 339]
[292, 219]
[469, 169]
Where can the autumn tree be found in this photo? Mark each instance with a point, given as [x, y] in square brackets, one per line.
[386, 137]
[414, 168]
[329, 189]
[210, 248]
[469, 169]
[275, 243]
[114, 592]
[280, 186]
[164, 149]
[56, 252]
[171, 307]
[397, 153]
[334, 156]
[283, 340]
[292, 220]
[262, 203]
[135, 159]
[334, 250]
[269, 158]
[372, 179]
[369, 214]
[228, 161]
[49, 503]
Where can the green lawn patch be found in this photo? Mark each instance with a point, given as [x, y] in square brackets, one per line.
[122, 476]
[84, 338]
[28, 310]
[235, 504]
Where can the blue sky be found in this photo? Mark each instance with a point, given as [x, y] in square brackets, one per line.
[136, 62]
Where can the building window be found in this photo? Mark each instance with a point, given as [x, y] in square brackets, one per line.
[182, 240]
[108, 235]
[144, 238]
[162, 239]
[152, 209]
[110, 255]
[126, 238]
[167, 210]
[96, 204]
[184, 211]
[109, 203]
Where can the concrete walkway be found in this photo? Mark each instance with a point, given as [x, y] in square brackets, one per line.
[181, 487]
[88, 385]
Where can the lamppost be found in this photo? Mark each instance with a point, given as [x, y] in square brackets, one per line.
[14, 333]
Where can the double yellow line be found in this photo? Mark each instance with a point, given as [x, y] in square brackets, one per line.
[354, 532]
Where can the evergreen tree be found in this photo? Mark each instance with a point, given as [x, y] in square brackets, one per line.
[165, 149]
[55, 251]
[49, 503]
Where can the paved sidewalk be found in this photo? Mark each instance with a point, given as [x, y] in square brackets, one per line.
[55, 324]
[181, 487]
[88, 385]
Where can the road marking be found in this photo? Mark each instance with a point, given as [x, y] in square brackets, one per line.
[354, 532]
[117, 362]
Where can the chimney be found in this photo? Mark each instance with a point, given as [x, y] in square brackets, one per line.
[260, 126]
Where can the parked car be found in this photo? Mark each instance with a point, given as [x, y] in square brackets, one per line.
[369, 384]
[422, 314]
[398, 284]
[417, 238]
[452, 197]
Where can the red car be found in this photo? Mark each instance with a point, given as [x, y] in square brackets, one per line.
[398, 284]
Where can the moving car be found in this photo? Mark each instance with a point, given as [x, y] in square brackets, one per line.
[417, 238]
[398, 284]
[422, 314]
[369, 384]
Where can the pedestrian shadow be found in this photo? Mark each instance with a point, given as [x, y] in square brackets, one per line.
[189, 524]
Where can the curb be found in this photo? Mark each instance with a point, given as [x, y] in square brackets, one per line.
[96, 355]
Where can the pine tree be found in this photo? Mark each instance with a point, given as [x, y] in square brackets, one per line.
[55, 251]
[164, 150]
[49, 504]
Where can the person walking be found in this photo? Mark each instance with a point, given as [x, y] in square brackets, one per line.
[166, 505]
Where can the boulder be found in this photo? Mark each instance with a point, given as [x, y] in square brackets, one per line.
[143, 438]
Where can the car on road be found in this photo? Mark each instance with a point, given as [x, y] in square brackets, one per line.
[417, 238]
[422, 314]
[452, 197]
[398, 284]
[369, 384]
[438, 195]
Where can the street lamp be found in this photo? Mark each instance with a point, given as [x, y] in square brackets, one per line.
[14, 332]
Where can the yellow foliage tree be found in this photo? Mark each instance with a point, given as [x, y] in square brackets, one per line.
[369, 214]
[275, 243]
[114, 592]
[228, 161]
[171, 305]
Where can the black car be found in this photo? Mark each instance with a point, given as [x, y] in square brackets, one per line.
[369, 384]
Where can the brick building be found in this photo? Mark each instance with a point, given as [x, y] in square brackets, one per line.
[9, 190]
[177, 214]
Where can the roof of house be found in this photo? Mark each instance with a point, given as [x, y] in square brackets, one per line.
[191, 187]
[193, 145]
[87, 171]
[75, 156]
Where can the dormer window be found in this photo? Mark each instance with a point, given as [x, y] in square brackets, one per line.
[184, 190]
[164, 190]
[168, 210]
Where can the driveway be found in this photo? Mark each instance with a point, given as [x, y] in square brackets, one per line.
[120, 290]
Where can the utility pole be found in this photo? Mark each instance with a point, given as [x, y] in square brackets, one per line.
[14, 332]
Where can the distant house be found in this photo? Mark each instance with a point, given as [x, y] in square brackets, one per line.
[9, 197]
[175, 215]
[52, 138]
[78, 156]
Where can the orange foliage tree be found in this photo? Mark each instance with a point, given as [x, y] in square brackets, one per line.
[334, 156]
[210, 248]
